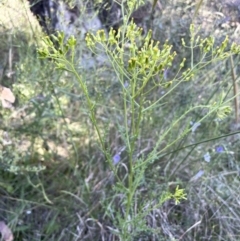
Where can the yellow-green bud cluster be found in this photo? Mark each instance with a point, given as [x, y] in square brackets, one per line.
[188, 74]
[151, 59]
[55, 50]
[141, 56]
[90, 40]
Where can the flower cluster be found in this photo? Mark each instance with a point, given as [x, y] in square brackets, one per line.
[55, 46]
[141, 56]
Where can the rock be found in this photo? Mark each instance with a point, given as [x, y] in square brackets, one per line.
[16, 17]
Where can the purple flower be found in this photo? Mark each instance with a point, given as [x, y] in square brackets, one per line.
[219, 149]
[116, 159]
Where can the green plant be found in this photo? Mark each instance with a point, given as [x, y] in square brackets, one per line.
[139, 64]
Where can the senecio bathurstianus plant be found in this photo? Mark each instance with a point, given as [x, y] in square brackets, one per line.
[137, 60]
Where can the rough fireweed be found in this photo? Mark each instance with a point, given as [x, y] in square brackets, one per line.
[137, 60]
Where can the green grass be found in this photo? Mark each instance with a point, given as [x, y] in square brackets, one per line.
[57, 180]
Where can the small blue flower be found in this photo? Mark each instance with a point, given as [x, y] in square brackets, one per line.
[116, 159]
[207, 157]
[219, 149]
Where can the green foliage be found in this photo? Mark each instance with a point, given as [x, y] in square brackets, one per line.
[139, 64]
[136, 148]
